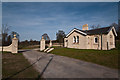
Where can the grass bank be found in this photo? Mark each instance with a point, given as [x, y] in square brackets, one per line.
[16, 65]
[106, 58]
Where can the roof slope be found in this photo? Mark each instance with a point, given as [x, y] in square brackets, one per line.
[104, 30]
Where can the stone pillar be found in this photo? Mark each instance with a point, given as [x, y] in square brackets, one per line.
[14, 45]
[50, 45]
[65, 42]
[42, 44]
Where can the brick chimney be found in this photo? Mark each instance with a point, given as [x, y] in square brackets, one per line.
[85, 27]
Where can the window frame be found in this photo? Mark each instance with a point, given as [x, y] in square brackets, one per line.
[78, 39]
[74, 39]
[95, 40]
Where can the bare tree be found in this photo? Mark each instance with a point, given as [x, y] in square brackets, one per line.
[115, 25]
[98, 26]
[95, 26]
[9, 40]
[5, 30]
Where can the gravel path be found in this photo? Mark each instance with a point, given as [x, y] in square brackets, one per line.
[64, 67]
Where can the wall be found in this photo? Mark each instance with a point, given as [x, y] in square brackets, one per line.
[55, 44]
[91, 42]
[80, 45]
[11, 48]
[6, 48]
[87, 42]
[93, 45]
[111, 40]
[104, 42]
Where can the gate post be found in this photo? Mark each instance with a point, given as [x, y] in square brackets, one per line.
[50, 44]
[42, 44]
[14, 44]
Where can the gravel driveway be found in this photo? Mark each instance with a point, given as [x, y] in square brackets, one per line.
[64, 67]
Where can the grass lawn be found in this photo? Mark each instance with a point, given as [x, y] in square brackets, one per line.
[106, 58]
[13, 63]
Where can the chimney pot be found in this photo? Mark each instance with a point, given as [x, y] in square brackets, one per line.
[85, 27]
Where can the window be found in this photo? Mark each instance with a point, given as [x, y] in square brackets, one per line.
[77, 39]
[110, 36]
[96, 40]
[74, 39]
[111, 40]
[66, 40]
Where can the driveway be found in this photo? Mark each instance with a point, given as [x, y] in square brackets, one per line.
[54, 66]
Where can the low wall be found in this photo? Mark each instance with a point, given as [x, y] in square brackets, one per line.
[6, 48]
[13, 48]
[56, 44]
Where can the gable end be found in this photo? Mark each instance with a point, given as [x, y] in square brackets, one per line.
[113, 29]
[75, 30]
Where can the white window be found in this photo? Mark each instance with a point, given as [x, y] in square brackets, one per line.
[74, 39]
[77, 39]
[96, 39]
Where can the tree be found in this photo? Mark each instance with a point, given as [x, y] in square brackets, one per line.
[117, 28]
[31, 42]
[115, 25]
[9, 40]
[15, 33]
[95, 26]
[98, 26]
[60, 36]
[6, 37]
[46, 37]
[118, 33]
[5, 30]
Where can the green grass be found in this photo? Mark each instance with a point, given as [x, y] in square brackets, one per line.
[13, 63]
[118, 44]
[106, 58]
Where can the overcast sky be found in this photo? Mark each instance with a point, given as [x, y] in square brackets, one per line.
[32, 19]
